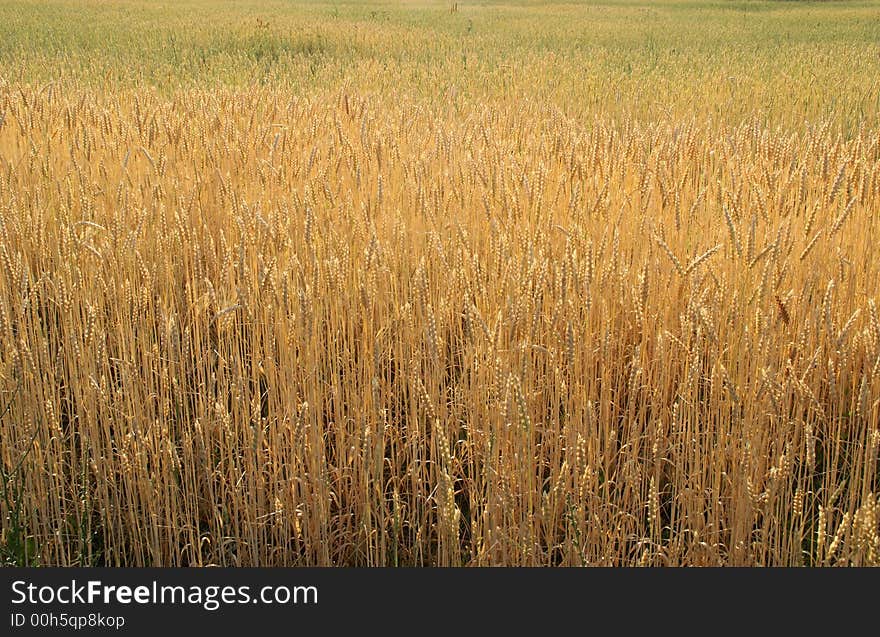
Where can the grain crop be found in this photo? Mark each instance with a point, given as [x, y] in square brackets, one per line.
[421, 287]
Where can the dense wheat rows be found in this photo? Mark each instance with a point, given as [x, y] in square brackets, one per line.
[260, 326]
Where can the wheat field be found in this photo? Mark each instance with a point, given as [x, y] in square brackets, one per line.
[420, 284]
